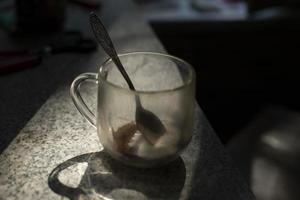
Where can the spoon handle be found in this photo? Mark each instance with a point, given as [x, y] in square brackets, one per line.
[103, 38]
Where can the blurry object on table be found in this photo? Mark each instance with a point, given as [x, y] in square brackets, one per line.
[268, 154]
[40, 15]
[68, 42]
[224, 9]
[206, 5]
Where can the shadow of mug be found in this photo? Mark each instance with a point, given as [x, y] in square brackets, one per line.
[105, 178]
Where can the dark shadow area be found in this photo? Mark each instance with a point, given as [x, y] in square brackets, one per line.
[241, 66]
[105, 177]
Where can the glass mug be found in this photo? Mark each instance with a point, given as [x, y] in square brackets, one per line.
[166, 87]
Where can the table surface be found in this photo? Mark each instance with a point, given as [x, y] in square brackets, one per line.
[57, 137]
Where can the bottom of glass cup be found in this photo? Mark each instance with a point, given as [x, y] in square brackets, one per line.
[136, 161]
[130, 147]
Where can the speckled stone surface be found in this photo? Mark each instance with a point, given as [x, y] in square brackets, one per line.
[57, 137]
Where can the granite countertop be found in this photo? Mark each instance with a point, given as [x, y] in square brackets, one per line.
[58, 138]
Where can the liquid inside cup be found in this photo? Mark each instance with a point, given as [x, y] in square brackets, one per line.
[128, 143]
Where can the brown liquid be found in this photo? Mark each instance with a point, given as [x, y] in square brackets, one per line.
[131, 147]
[129, 140]
[123, 136]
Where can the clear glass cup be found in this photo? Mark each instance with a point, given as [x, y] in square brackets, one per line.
[166, 87]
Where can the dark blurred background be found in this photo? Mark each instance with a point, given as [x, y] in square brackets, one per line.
[246, 56]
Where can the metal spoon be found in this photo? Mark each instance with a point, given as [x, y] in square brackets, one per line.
[147, 122]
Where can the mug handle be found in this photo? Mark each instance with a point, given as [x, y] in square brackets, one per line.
[77, 99]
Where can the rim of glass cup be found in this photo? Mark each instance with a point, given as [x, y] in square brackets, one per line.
[185, 84]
